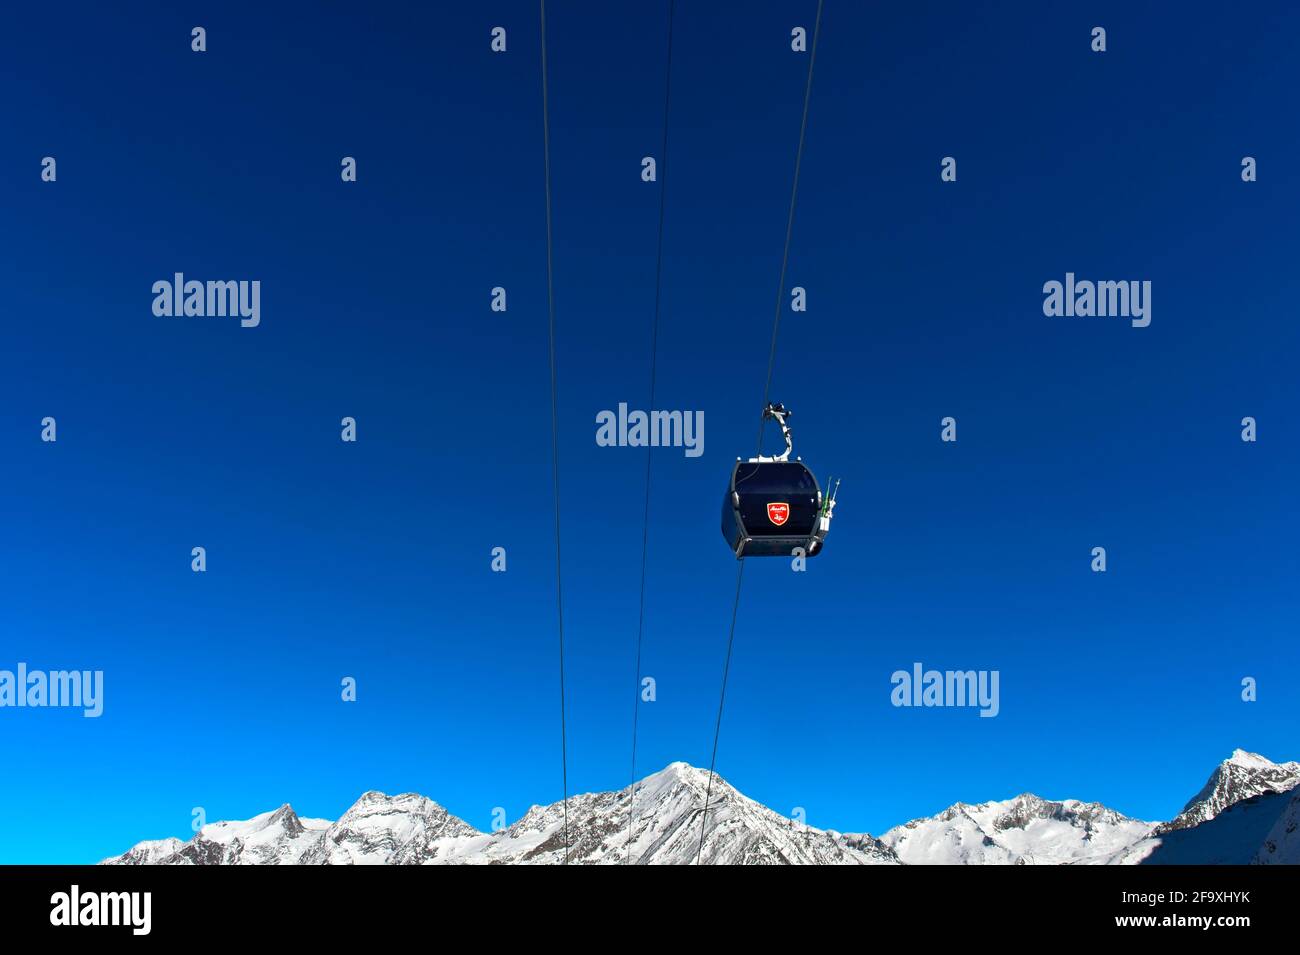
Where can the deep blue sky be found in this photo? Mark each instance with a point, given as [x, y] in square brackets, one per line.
[372, 560]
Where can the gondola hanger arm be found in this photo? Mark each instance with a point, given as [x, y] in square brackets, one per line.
[780, 414]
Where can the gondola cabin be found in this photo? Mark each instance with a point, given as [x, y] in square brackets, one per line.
[773, 506]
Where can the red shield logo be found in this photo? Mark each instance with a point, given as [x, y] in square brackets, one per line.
[778, 514]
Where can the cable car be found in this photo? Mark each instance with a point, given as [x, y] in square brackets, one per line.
[774, 505]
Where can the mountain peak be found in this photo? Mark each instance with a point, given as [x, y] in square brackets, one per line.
[679, 770]
[1248, 760]
[1239, 777]
[287, 819]
[678, 775]
[374, 800]
[1240, 757]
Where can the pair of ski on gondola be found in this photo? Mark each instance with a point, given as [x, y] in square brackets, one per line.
[773, 506]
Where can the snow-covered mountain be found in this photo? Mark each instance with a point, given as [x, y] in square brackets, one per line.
[389, 830]
[1238, 835]
[271, 838]
[1026, 830]
[1238, 777]
[1248, 811]
[409, 829]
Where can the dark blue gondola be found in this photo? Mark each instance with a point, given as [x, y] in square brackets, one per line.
[773, 506]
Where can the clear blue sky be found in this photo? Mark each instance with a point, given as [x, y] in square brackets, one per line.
[372, 560]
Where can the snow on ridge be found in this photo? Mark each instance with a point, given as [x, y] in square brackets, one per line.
[148, 852]
[1240, 757]
[1024, 830]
